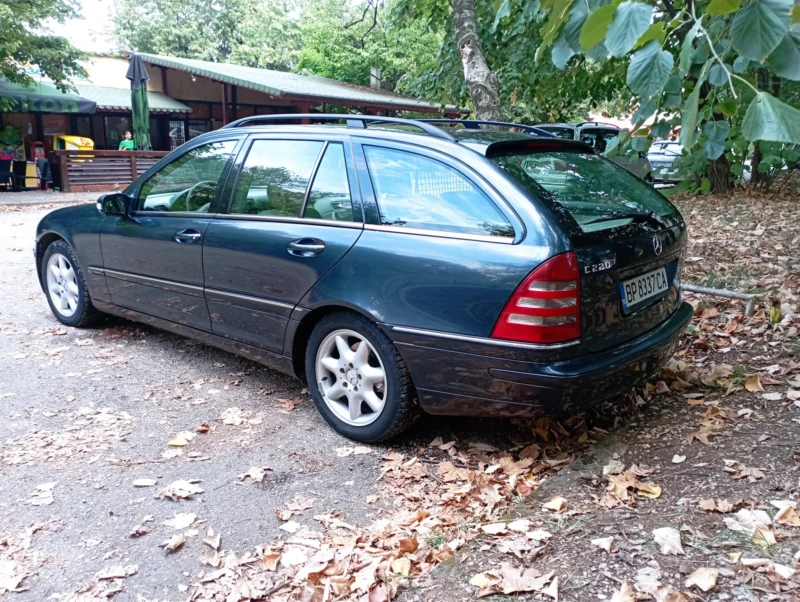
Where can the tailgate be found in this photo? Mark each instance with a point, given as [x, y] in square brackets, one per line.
[643, 271]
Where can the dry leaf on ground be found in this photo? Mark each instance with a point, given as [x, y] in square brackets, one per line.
[174, 542]
[669, 540]
[625, 594]
[557, 504]
[604, 543]
[705, 578]
[179, 490]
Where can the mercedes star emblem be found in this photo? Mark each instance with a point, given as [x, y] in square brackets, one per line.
[658, 246]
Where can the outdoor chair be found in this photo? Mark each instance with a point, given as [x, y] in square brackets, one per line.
[43, 174]
[19, 174]
[6, 178]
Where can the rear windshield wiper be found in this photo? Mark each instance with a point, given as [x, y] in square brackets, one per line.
[643, 216]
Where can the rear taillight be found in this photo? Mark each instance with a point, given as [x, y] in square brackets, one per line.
[545, 307]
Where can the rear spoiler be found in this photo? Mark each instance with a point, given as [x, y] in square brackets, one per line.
[515, 147]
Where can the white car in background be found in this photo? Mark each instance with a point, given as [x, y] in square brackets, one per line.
[662, 156]
[597, 135]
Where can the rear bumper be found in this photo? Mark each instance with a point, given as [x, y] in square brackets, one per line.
[459, 383]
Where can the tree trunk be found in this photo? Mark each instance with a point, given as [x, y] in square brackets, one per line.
[766, 81]
[483, 85]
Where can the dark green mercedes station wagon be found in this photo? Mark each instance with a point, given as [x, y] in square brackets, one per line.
[395, 265]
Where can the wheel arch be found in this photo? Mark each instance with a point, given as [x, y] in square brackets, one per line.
[298, 339]
[44, 241]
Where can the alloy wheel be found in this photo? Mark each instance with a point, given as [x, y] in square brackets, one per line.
[62, 285]
[351, 377]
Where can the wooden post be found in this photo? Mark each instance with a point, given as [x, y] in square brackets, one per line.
[134, 174]
[224, 104]
[234, 102]
[62, 165]
[164, 81]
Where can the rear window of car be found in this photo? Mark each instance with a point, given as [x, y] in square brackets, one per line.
[595, 192]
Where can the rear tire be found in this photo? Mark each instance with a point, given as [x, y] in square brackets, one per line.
[358, 380]
[65, 287]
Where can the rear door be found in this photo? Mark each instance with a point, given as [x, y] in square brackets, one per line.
[294, 212]
[153, 258]
[627, 236]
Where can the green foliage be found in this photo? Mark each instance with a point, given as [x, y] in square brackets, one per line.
[649, 69]
[631, 20]
[22, 43]
[340, 41]
[768, 118]
[256, 33]
[725, 68]
[757, 29]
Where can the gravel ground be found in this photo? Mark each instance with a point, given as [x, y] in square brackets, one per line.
[53, 381]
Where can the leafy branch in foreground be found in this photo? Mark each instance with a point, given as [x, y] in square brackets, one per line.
[709, 67]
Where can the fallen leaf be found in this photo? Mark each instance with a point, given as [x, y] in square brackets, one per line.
[650, 490]
[288, 405]
[179, 490]
[704, 578]
[753, 384]
[557, 504]
[401, 566]
[480, 580]
[117, 572]
[211, 540]
[787, 513]
[141, 528]
[410, 545]
[494, 528]
[625, 594]
[604, 543]
[174, 542]
[256, 474]
[181, 520]
[669, 540]
[521, 525]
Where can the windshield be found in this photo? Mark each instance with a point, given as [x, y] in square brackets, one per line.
[597, 193]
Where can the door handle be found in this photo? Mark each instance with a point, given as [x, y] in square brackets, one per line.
[187, 236]
[306, 247]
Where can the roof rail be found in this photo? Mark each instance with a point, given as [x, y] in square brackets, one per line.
[353, 121]
[605, 123]
[473, 124]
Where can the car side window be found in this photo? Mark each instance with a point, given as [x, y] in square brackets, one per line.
[414, 191]
[275, 176]
[329, 197]
[189, 183]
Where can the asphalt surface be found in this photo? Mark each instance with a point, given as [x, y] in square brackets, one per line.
[93, 410]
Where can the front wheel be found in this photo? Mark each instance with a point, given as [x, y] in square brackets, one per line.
[358, 380]
[65, 286]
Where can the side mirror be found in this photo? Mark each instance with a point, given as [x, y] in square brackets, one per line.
[113, 203]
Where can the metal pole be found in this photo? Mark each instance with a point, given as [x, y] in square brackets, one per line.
[750, 298]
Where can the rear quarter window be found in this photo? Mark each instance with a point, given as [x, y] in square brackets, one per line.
[414, 191]
[596, 193]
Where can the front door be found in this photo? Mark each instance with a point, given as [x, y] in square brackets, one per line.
[293, 216]
[153, 258]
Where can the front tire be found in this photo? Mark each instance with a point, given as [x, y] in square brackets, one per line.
[358, 380]
[65, 287]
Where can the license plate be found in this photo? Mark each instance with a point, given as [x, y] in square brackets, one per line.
[641, 288]
[661, 164]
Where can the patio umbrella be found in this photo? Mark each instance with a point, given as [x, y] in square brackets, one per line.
[42, 97]
[140, 108]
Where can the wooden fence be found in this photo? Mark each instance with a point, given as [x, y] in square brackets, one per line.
[97, 171]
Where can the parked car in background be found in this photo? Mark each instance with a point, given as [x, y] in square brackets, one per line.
[598, 135]
[393, 265]
[662, 156]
